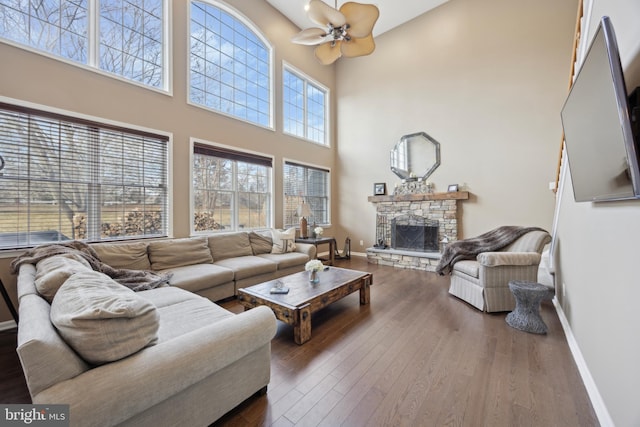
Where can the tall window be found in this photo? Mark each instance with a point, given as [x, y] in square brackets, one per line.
[304, 107]
[65, 178]
[231, 189]
[230, 65]
[128, 39]
[306, 183]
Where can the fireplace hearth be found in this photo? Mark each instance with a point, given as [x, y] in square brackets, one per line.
[414, 233]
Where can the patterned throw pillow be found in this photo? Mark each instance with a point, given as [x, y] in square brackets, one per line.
[283, 241]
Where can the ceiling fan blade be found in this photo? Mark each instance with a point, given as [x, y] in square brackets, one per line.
[328, 53]
[358, 47]
[310, 36]
[323, 14]
[361, 18]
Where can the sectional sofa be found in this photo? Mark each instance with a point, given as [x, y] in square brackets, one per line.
[163, 356]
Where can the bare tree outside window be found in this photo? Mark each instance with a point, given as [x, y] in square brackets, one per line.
[73, 180]
[230, 194]
[130, 34]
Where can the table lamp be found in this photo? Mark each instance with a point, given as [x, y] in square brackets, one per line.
[304, 212]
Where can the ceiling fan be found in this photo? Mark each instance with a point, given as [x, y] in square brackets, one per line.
[346, 32]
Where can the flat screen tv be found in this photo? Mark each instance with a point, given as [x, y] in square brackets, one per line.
[601, 150]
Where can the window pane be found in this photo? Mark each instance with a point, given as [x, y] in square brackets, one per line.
[76, 180]
[131, 39]
[304, 106]
[58, 27]
[230, 194]
[236, 77]
[308, 184]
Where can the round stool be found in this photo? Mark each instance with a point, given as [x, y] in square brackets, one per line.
[526, 315]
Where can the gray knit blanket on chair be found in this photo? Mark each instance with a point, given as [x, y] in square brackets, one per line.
[137, 280]
[468, 249]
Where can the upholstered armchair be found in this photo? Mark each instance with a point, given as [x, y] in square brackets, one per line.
[484, 283]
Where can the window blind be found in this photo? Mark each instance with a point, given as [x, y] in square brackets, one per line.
[224, 153]
[68, 178]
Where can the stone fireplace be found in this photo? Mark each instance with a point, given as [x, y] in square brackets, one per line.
[437, 210]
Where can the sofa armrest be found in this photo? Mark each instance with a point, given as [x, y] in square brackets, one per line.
[121, 389]
[306, 248]
[495, 259]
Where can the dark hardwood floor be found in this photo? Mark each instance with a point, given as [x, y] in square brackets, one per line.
[417, 356]
[414, 356]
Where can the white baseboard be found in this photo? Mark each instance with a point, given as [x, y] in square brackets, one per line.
[592, 390]
[9, 324]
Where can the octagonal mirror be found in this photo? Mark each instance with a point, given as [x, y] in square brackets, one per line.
[415, 156]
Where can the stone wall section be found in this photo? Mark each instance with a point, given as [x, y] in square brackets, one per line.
[441, 209]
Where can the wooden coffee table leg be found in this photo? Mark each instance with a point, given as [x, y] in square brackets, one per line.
[302, 326]
[364, 291]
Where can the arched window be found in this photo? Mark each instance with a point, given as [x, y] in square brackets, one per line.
[230, 68]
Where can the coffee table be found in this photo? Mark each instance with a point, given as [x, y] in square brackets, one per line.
[295, 308]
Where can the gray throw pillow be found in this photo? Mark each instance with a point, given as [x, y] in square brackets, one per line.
[53, 271]
[260, 244]
[102, 320]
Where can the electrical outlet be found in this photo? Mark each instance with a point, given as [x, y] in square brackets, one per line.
[564, 290]
[361, 242]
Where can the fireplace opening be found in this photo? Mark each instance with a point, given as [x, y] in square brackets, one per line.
[414, 233]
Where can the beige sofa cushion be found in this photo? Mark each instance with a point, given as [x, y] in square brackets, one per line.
[470, 268]
[260, 243]
[182, 312]
[102, 320]
[248, 266]
[131, 256]
[195, 278]
[53, 271]
[283, 241]
[230, 245]
[291, 259]
[165, 254]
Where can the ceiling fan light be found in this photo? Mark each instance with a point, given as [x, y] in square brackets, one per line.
[361, 18]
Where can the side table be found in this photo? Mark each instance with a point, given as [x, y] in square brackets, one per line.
[526, 315]
[315, 241]
[7, 301]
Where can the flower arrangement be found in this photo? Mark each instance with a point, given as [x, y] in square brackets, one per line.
[318, 231]
[314, 265]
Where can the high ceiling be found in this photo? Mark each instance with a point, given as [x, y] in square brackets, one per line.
[392, 12]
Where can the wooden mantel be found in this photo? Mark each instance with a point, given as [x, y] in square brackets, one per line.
[457, 195]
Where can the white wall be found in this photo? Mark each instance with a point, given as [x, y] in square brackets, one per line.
[597, 260]
[482, 79]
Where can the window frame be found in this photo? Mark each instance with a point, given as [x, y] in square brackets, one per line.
[287, 67]
[243, 19]
[192, 190]
[57, 113]
[288, 161]
[93, 46]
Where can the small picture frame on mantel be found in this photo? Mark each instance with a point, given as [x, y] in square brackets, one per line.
[379, 189]
[452, 188]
